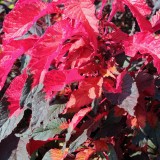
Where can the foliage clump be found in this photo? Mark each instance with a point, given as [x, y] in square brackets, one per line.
[79, 79]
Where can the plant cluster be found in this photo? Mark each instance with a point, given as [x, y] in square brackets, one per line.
[79, 79]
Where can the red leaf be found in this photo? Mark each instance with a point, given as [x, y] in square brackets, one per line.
[33, 145]
[56, 80]
[12, 51]
[148, 83]
[132, 121]
[43, 52]
[85, 154]
[75, 120]
[88, 90]
[49, 48]
[109, 84]
[78, 44]
[101, 145]
[140, 115]
[100, 116]
[118, 112]
[72, 75]
[14, 93]
[24, 15]
[90, 68]
[78, 117]
[78, 54]
[57, 154]
[152, 119]
[117, 36]
[83, 11]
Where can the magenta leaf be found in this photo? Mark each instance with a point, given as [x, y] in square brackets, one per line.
[14, 93]
[83, 11]
[139, 42]
[76, 85]
[56, 80]
[32, 10]
[117, 6]
[155, 21]
[51, 47]
[141, 6]
[12, 51]
[136, 10]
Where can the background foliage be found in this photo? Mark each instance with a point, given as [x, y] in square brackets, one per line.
[80, 80]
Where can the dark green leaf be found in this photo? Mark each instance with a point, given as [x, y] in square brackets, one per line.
[26, 90]
[80, 140]
[128, 98]
[3, 111]
[49, 131]
[10, 125]
[47, 156]
[20, 153]
[111, 153]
